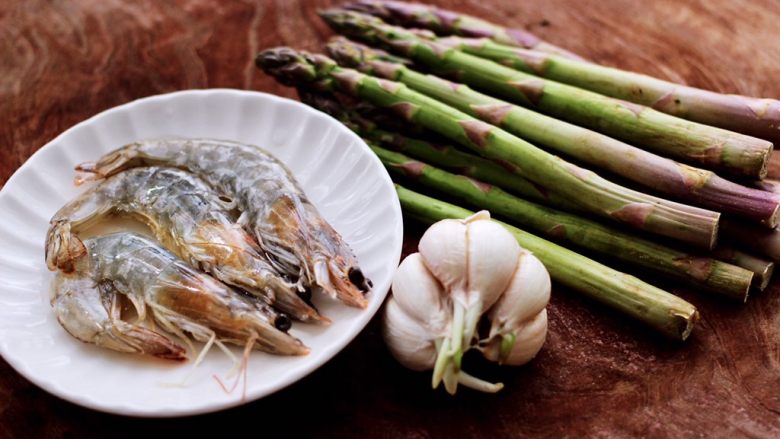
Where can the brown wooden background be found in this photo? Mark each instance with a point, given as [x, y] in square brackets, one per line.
[598, 374]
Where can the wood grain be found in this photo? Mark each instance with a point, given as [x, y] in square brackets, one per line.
[598, 375]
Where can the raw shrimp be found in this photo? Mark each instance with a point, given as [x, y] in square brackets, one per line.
[186, 216]
[284, 222]
[89, 311]
[179, 298]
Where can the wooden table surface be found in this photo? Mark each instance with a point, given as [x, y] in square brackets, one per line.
[598, 374]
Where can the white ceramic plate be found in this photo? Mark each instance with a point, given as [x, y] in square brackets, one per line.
[338, 172]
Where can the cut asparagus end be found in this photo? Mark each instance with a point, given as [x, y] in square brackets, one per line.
[767, 276]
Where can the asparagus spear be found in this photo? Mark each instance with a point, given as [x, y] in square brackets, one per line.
[587, 189]
[668, 314]
[752, 116]
[693, 185]
[443, 21]
[710, 274]
[710, 147]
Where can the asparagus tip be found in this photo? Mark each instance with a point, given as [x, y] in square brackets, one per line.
[287, 65]
[343, 20]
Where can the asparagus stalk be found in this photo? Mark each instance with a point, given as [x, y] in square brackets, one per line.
[668, 314]
[443, 21]
[587, 189]
[762, 269]
[696, 186]
[705, 272]
[687, 141]
[757, 240]
[752, 116]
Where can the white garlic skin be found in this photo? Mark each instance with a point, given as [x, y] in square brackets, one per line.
[418, 292]
[408, 341]
[529, 340]
[443, 249]
[521, 311]
[415, 315]
[473, 258]
[493, 257]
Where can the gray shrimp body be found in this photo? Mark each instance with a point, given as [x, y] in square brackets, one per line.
[273, 207]
[187, 217]
[179, 298]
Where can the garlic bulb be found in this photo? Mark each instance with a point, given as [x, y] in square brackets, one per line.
[465, 269]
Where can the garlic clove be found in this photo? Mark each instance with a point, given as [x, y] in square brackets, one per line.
[443, 248]
[409, 341]
[527, 294]
[528, 340]
[419, 294]
[493, 255]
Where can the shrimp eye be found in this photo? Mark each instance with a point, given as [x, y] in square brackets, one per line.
[283, 322]
[360, 281]
[305, 295]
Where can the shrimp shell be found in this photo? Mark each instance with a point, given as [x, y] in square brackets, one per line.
[188, 218]
[179, 298]
[286, 225]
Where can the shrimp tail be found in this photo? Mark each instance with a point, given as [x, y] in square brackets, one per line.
[63, 249]
[108, 165]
